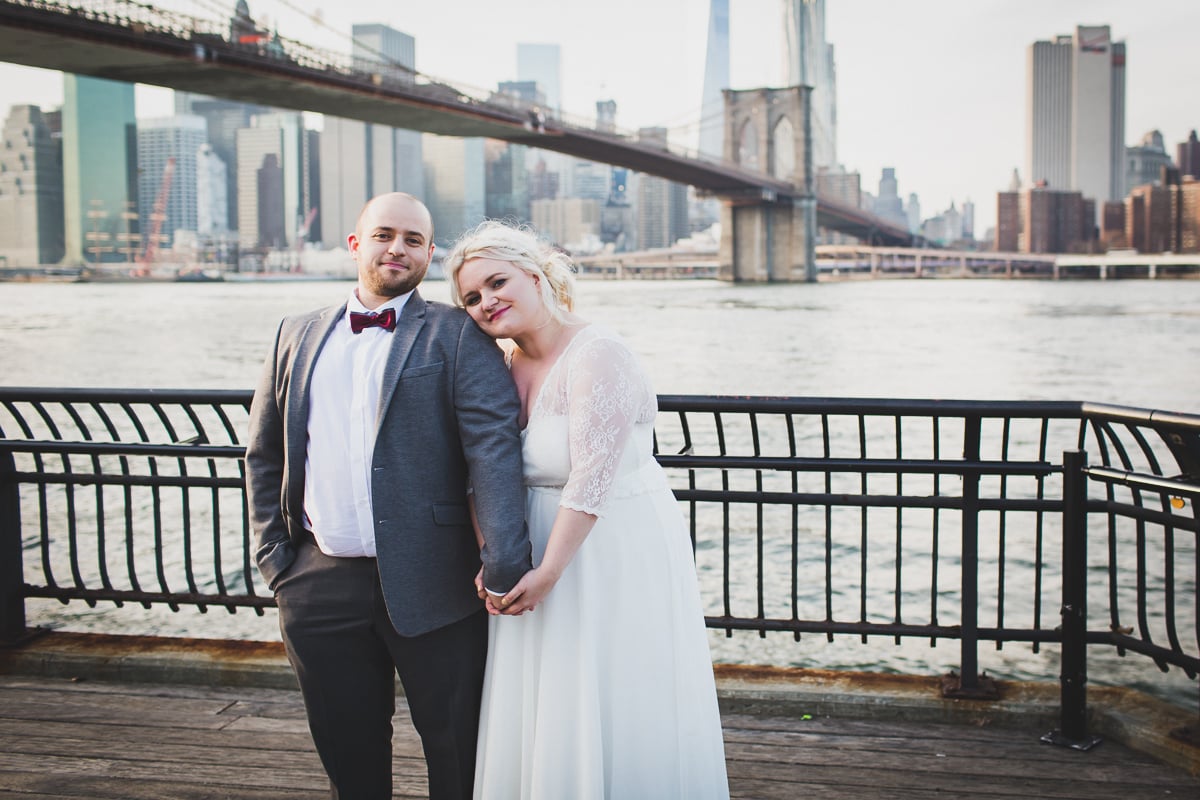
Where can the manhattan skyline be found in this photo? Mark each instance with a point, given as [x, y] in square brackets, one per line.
[933, 88]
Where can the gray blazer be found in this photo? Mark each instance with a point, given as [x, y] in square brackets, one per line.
[448, 410]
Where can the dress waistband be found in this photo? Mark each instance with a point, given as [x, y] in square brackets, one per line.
[649, 477]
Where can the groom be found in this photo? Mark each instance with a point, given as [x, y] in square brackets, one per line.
[370, 420]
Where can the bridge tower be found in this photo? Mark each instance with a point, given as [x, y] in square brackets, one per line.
[770, 237]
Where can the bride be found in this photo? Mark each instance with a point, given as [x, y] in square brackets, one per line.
[604, 689]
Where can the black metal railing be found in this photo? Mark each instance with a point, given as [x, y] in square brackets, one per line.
[909, 519]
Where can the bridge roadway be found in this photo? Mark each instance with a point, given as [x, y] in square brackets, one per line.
[135, 43]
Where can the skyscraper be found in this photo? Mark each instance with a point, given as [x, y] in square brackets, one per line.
[1075, 114]
[542, 64]
[716, 79]
[662, 208]
[99, 168]
[507, 181]
[1189, 156]
[808, 61]
[454, 175]
[258, 148]
[223, 119]
[280, 139]
[1144, 161]
[888, 204]
[1048, 113]
[212, 200]
[31, 204]
[360, 160]
[160, 140]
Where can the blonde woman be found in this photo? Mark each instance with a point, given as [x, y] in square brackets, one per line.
[599, 683]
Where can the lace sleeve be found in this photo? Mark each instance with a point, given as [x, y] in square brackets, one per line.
[606, 395]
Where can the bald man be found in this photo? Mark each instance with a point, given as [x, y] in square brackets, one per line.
[370, 420]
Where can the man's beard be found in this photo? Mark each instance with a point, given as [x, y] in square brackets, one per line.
[389, 283]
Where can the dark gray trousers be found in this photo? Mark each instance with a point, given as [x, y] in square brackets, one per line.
[346, 654]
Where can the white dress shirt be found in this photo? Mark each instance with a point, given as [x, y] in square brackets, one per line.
[343, 416]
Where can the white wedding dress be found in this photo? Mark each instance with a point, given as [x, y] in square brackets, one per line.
[605, 690]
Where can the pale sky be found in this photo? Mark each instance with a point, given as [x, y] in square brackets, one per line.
[934, 88]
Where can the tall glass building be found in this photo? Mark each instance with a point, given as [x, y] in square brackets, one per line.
[454, 174]
[716, 79]
[1075, 114]
[360, 160]
[99, 169]
[808, 61]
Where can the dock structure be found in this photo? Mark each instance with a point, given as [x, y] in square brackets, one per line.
[86, 716]
[1067, 529]
[861, 261]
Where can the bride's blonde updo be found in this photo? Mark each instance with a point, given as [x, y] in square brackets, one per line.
[522, 248]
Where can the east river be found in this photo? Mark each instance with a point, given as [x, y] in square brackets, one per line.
[1132, 342]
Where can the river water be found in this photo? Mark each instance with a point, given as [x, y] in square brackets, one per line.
[1133, 342]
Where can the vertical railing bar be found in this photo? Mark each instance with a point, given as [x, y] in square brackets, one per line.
[98, 471]
[687, 447]
[68, 489]
[1073, 684]
[935, 535]
[12, 565]
[863, 539]
[759, 558]
[115, 435]
[828, 526]
[790, 423]
[1039, 535]
[899, 594]
[43, 514]
[1168, 540]
[1002, 534]
[214, 505]
[972, 425]
[1106, 436]
[185, 506]
[218, 552]
[155, 504]
[230, 429]
[130, 531]
[1114, 604]
[725, 533]
[1169, 579]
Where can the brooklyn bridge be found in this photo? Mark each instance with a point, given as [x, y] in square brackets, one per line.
[769, 217]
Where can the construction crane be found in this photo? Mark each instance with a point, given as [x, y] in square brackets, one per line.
[157, 216]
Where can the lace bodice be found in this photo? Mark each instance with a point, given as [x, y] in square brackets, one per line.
[590, 429]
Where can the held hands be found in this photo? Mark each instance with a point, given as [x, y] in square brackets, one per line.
[525, 596]
[570, 529]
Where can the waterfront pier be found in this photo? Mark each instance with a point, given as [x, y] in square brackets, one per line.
[860, 261]
[92, 717]
[962, 524]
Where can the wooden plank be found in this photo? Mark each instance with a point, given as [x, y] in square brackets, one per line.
[67, 741]
[906, 774]
[41, 787]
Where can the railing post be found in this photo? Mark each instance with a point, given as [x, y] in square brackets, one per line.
[1073, 680]
[968, 683]
[12, 574]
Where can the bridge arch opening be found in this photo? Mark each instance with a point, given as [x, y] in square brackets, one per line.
[783, 150]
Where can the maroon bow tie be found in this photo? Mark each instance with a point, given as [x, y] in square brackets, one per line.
[385, 319]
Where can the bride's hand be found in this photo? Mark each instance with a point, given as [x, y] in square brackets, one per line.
[528, 593]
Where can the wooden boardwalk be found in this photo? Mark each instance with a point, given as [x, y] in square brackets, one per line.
[136, 741]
